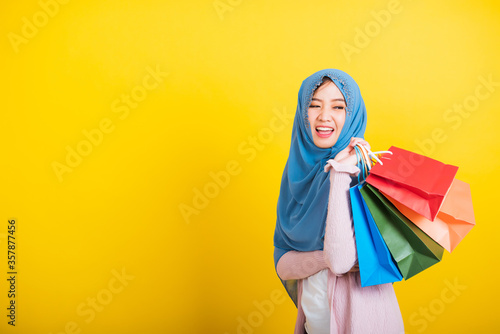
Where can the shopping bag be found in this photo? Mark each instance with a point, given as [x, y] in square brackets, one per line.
[412, 249]
[418, 182]
[376, 265]
[454, 220]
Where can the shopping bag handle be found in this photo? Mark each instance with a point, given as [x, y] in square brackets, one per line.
[369, 153]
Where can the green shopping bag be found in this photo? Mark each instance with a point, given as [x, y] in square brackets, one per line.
[412, 249]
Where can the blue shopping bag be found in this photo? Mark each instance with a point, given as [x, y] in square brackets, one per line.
[376, 264]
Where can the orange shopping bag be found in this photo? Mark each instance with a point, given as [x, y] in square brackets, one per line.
[454, 220]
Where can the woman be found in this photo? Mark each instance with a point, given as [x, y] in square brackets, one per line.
[315, 251]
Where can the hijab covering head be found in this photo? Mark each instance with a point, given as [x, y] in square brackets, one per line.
[303, 198]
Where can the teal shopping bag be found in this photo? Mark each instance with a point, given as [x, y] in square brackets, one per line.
[376, 264]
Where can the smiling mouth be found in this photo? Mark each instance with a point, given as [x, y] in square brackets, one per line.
[324, 132]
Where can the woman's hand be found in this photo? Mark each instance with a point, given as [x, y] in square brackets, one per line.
[348, 154]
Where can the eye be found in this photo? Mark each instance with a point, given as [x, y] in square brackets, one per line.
[313, 106]
[338, 107]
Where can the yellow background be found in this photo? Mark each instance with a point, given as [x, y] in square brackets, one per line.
[230, 67]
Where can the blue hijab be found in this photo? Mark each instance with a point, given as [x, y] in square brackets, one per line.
[303, 199]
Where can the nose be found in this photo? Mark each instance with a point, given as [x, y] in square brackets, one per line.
[324, 115]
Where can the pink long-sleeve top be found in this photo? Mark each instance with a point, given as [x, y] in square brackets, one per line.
[353, 309]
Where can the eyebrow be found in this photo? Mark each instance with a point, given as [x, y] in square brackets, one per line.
[316, 99]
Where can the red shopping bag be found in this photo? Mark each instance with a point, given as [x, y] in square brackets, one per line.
[414, 180]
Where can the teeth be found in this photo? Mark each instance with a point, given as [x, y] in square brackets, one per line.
[324, 129]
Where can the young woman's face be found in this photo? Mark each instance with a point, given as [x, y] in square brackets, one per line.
[326, 115]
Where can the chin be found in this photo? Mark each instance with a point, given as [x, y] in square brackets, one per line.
[325, 144]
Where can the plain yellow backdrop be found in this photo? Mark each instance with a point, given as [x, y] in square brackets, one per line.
[143, 144]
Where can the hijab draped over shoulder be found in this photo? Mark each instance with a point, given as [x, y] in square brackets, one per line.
[304, 190]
